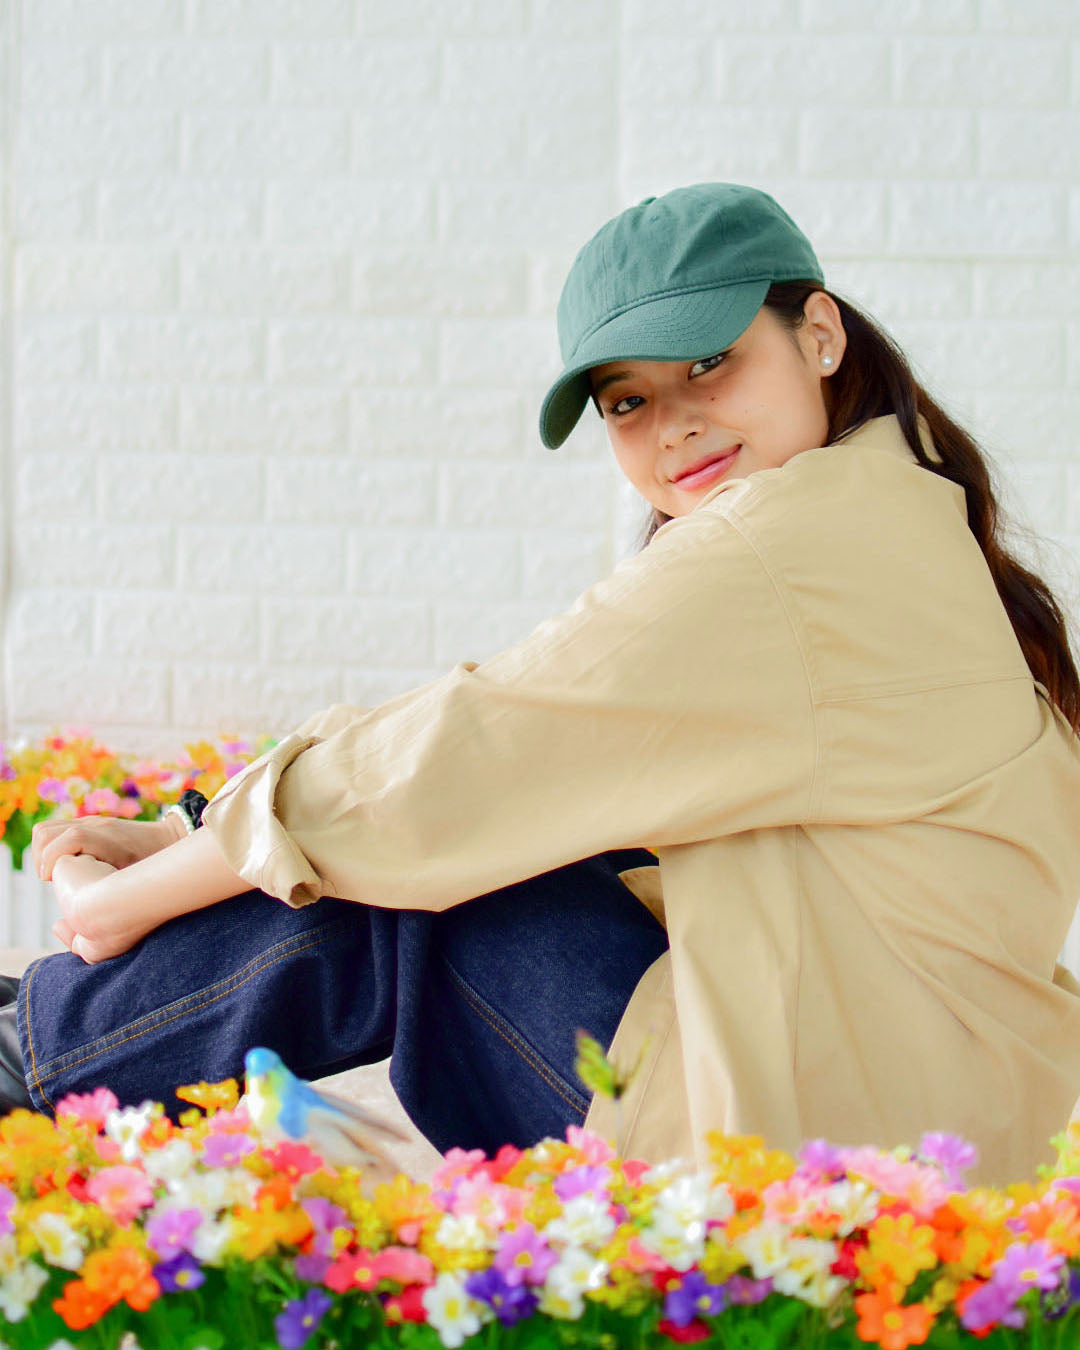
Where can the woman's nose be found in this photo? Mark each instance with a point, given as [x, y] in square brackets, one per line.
[677, 423]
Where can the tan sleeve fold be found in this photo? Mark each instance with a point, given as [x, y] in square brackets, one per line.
[668, 704]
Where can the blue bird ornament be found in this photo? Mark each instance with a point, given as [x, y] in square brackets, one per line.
[282, 1106]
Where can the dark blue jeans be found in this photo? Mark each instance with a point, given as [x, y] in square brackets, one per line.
[477, 1006]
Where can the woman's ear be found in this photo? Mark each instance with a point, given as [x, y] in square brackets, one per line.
[825, 330]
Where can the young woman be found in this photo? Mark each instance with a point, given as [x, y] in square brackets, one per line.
[786, 809]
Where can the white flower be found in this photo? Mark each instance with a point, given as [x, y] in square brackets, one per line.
[854, 1201]
[566, 1307]
[206, 1191]
[19, 1288]
[9, 1254]
[765, 1247]
[451, 1311]
[126, 1127]
[170, 1162]
[60, 1244]
[568, 1279]
[585, 1219]
[677, 1225]
[664, 1171]
[807, 1275]
[210, 1240]
[461, 1232]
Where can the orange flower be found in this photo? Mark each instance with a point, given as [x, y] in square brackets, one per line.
[80, 1306]
[1057, 1218]
[890, 1325]
[277, 1190]
[221, 1096]
[122, 1273]
[258, 1230]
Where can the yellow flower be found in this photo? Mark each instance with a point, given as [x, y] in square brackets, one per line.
[721, 1260]
[897, 1249]
[221, 1096]
[743, 1161]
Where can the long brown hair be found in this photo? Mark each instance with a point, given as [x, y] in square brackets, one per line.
[873, 379]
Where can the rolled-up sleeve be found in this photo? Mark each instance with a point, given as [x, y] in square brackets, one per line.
[670, 703]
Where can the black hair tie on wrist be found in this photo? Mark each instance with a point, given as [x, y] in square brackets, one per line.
[193, 803]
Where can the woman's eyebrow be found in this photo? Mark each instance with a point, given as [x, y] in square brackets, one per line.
[601, 385]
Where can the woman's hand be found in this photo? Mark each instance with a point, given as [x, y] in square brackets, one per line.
[109, 839]
[91, 925]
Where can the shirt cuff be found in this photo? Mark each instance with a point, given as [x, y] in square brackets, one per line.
[253, 841]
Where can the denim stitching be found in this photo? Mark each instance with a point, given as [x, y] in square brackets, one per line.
[110, 1042]
[516, 1042]
[24, 989]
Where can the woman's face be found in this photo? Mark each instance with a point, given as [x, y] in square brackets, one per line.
[752, 406]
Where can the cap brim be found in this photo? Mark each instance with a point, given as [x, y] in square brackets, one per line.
[679, 327]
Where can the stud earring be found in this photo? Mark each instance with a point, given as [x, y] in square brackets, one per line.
[826, 360]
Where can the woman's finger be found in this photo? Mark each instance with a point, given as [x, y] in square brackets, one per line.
[69, 843]
[62, 930]
[41, 835]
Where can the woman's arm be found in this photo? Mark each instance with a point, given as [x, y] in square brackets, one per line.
[106, 911]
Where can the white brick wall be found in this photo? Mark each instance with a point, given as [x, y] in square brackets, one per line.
[277, 308]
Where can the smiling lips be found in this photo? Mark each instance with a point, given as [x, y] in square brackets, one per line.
[697, 470]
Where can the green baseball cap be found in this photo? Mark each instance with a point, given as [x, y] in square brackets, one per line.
[674, 278]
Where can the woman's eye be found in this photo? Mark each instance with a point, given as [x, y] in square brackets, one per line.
[707, 363]
[624, 405]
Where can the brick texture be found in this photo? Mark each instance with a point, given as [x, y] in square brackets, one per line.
[280, 290]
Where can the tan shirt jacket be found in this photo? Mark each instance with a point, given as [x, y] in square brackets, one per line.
[806, 695]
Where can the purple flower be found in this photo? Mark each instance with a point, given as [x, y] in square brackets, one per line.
[524, 1257]
[172, 1232]
[581, 1180]
[509, 1302]
[818, 1156]
[323, 1213]
[311, 1267]
[953, 1154]
[691, 1297]
[53, 790]
[182, 1272]
[299, 1318]
[1028, 1265]
[225, 1150]
[7, 1204]
[1069, 1295]
[989, 1305]
[743, 1289]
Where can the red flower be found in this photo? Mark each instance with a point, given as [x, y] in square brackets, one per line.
[693, 1331]
[408, 1306]
[845, 1263]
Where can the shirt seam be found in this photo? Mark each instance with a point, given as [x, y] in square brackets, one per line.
[860, 693]
[818, 775]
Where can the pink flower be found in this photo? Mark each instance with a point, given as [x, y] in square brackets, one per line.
[236, 1121]
[226, 1150]
[594, 1148]
[92, 1107]
[53, 790]
[483, 1198]
[404, 1265]
[101, 802]
[120, 1191]
[457, 1162]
